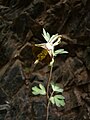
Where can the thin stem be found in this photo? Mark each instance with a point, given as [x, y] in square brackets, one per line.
[49, 80]
[48, 104]
[47, 110]
[47, 95]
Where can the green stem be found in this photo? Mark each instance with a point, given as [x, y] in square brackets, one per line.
[47, 94]
[49, 80]
[47, 110]
[48, 104]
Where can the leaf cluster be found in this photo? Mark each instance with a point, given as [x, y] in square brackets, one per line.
[56, 99]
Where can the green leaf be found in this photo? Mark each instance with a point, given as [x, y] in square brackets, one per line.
[42, 87]
[35, 93]
[52, 100]
[60, 51]
[58, 100]
[60, 97]
[62, 102]
[36, 90]
[56, 88]
[39, 90]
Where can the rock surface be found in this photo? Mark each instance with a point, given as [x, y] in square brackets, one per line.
[21, 24]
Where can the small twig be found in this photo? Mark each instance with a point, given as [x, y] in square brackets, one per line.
[47, 94]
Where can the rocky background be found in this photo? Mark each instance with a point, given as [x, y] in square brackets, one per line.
[21, 23]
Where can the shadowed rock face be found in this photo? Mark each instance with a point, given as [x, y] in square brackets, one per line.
[21, 24]
[12, 80]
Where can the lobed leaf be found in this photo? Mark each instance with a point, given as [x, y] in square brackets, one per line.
[39, 90]
[56, 88]
[60, 97]
[60, 51]
[52, 100]
[58, 100]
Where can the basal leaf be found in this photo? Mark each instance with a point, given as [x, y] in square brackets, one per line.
[43, 92]
[35, 93]
[52, 100]
[56, 87]
[53, 86]
[60, 97]
[35, 88]
[62, 102]
[38, 90]
[42, 89]
[59, 102]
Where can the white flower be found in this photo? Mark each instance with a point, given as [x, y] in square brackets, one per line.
[51, 42]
